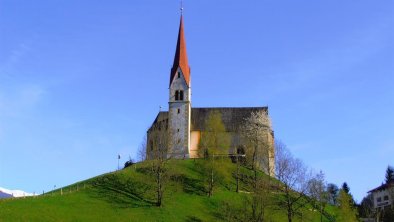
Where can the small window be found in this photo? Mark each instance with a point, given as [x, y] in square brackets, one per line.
[181, 95]
[177, 95]
[179, 75]
[178, 130]
[379, 199]
[179, 110]
[386, 197]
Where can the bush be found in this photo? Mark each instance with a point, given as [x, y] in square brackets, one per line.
[128, 163]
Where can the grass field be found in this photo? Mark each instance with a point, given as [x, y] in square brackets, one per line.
[129, 195]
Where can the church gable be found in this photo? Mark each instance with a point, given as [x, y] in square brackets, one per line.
[161, 122]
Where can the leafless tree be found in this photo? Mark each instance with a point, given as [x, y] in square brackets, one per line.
[294, 177]
[142, 150]
[318, 193]
[256, 134]
[158, 156]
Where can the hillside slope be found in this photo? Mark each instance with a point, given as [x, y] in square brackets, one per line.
[129, 195]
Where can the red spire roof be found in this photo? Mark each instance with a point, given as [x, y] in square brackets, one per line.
[180, 59]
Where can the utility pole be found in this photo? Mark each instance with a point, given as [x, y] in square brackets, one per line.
[118, 161]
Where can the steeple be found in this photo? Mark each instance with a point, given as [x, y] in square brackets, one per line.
[180, 59]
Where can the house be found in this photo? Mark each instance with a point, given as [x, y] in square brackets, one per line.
[383, 195]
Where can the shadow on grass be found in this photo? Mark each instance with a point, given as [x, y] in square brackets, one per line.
[193, 219]
[189, 185]
[122, 193]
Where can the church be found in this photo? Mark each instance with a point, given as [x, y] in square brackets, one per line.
[181, 127]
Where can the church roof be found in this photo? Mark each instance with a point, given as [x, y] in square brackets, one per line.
[180, 59]
[232, 117]
[161, 121]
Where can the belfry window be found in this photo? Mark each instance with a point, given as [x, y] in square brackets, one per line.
[179, 75]
[177, 95]
[181, 95]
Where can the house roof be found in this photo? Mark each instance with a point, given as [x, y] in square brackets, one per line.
[180, 59]
[383, 187]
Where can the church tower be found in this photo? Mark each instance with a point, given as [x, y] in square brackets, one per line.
[179, 101]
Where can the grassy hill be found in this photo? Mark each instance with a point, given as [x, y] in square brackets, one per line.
[129, 195]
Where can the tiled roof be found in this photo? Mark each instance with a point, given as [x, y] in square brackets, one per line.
[382, 187]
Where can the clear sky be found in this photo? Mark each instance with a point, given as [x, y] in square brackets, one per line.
[81, 81]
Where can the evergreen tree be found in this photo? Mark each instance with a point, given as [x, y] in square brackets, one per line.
[366, 208]
[347, 212]
[389, 174]
[345, 188]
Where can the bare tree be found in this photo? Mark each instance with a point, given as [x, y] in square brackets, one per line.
[258, 141]
[294, 177]
[256, 133]
[142, 149]
[158, 156]
[332, 190]
[318, 193]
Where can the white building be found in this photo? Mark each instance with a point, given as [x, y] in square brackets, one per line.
[383, 195]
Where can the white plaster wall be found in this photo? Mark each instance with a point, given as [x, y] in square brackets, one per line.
[381, 194]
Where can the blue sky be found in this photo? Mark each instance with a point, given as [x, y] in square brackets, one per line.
[81, 81]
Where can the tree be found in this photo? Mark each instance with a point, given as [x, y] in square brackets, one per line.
[333, 192]
[347, 212]
[256, 133]
[318, 192]
[214, 142]
[128, 163]
[142, 150]
[366, 208]
[158, 156]
[389, 174]
[294, 177]
[345, 187]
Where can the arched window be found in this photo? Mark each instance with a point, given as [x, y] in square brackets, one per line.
[181, 95]
[177, 95]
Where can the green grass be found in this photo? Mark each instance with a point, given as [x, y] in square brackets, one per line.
[129, 195]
